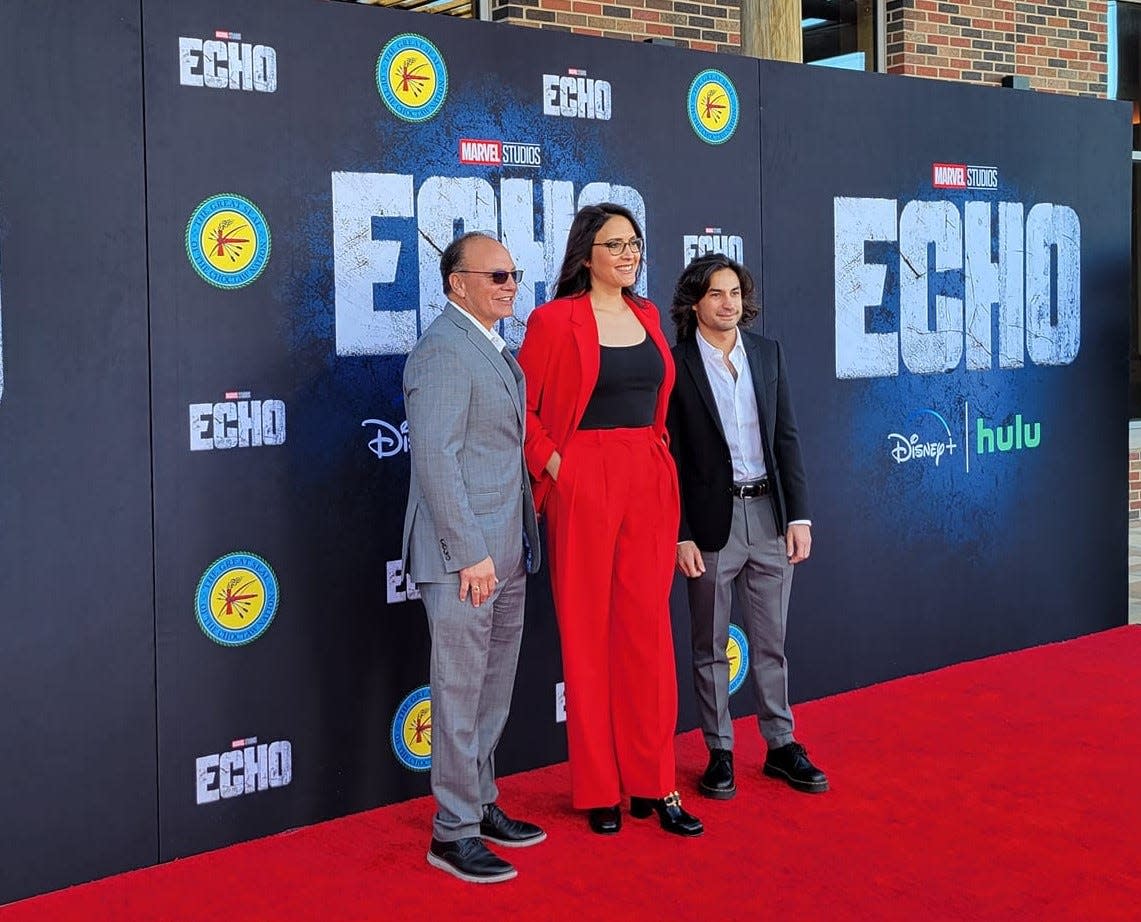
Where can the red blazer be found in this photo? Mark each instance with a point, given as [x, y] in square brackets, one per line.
[560, 357]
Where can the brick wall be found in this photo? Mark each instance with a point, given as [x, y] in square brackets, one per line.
[1134, 484]
[1060, 46]
[704, 25]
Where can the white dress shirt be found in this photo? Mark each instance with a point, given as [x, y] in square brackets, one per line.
[496, 340]
[737, 406]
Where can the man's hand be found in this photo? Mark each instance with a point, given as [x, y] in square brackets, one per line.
[689, 559]
[480, 579]
[798, 542]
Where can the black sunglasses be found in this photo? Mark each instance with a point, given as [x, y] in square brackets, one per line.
[497, 276]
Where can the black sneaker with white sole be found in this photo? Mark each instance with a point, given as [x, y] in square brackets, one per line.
[496, 826]
[469, 859]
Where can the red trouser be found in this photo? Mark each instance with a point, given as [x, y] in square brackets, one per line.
[612, 533]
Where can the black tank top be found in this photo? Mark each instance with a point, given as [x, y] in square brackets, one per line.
[626, 393]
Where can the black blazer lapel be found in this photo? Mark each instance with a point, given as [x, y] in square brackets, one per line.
[696, 368]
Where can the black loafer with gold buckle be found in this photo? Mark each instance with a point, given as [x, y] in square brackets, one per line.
[670, 814]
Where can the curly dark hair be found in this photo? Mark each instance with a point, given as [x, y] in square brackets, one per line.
[574, 277]
[693, 285]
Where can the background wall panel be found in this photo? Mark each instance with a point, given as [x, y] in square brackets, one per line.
[76, 577]
[977, 242]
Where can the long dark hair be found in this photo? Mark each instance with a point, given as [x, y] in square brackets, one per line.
[693, 285]
[574, 277]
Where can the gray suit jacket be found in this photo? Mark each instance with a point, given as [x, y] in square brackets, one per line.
[469, 496]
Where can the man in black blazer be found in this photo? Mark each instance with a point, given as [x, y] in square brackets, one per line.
[744, 511]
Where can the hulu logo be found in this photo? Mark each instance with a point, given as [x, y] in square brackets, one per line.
[1014, 436]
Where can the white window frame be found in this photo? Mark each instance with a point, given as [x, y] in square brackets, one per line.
[881, 36]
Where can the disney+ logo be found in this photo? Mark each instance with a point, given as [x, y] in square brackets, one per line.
[934, 442]
[390, 440]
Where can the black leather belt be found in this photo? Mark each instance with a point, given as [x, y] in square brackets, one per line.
[749, 490]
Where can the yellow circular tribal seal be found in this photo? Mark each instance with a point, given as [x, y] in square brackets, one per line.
[738, 652]
[228, 241]
[713, 106]
[411, 77]
[412, 730]
[236, 599]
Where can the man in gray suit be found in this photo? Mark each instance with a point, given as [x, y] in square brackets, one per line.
[470, 538]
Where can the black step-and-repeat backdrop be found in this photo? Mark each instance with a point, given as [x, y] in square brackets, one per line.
[948, 268]
[305, 164]
[304, 171]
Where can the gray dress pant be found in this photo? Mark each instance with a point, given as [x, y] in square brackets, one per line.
[474, 655]
[753, 564]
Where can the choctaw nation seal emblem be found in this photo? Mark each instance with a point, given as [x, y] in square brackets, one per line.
[412, 730]
[738, 651]
[236, 599]
[713, 107]
[228, 241]
[411, 77]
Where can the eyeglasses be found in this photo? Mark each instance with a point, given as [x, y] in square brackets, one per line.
[497, 276]
[618, 247]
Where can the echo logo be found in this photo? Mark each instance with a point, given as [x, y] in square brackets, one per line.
[711, 240]
[247, 766]
[576, 96]
[226, 62]
[376, 216]
[1009, 295]
[236, 422]
[400, 586]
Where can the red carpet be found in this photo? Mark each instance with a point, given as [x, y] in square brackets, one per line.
[1008, 788]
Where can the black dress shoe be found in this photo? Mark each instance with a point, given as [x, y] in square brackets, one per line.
[790, 763]
[469, 859]
[605, 820]
[670, 814]
[496, 826]
[717, 782]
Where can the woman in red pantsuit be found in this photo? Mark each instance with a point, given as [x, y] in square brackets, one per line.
[599, 375]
